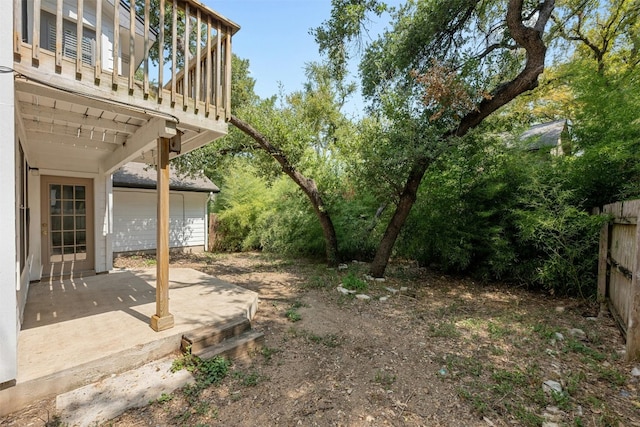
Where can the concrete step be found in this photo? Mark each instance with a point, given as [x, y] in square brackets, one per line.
[207, 336]
[237, 348]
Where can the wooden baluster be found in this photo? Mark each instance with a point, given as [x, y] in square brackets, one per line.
[218, 65]
[59, 36]
[17, 29]
[161, 52]
[198, 59]
[98, 59]
[207, 91]
[174, 44]
[132, 45]
[145, 86]
[227, 75]
[35, 38]
[116, 42]
[186, 61]
[79, 34]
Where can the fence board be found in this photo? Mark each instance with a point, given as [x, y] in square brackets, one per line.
[618, 269]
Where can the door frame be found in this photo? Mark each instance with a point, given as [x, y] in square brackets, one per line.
[66, 268]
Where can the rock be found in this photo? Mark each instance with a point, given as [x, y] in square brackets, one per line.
[488, 421]
[343, 267]
[380, 279]
[370, 419]
[550, 424]
[559, 336]
[404, 289]
[392, 290]
[559, 309]
[367, 277]
[549, 385]
[577, 333]
[345, 291]
[635, 372]
[592, 319]
[624, 393]
[384, 298]
[363, 297]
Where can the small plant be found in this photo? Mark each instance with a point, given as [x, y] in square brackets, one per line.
[561, 400]
[250, 379]
[292, 312]
[385, 379]
[267, 353]
[164, 398]
[350, 281]
[293, 315]
[444, 330]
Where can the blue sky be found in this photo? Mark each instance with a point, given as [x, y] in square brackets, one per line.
[275, 38]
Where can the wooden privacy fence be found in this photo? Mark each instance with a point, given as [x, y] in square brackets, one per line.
[618, 268]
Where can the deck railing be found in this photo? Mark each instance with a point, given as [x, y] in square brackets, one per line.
[144, 48]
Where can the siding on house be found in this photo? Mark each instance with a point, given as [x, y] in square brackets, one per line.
[134, 213]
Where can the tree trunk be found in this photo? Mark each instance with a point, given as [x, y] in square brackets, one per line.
[530, 38]
[307, 185]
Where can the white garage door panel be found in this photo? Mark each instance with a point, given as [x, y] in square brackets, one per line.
[134, 220]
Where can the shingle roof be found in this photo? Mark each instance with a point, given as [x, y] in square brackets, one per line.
[543, 135]
[140, 175]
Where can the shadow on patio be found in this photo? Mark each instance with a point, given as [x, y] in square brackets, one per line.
[77, 331]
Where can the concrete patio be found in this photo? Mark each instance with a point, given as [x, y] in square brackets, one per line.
[78, 331]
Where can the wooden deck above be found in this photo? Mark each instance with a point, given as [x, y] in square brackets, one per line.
[133, 61]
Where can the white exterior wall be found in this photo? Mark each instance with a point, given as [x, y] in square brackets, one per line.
[102, 225]
[134, 219]
[9, 279]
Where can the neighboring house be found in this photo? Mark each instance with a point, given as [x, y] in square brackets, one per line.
[134, 210]
[73, 119]
[552, 137]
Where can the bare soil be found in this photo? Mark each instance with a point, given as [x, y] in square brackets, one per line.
[438, 351]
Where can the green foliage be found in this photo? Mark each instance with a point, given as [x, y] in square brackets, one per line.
[242, 199]
[354, 283]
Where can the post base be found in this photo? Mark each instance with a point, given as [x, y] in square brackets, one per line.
[162, 323]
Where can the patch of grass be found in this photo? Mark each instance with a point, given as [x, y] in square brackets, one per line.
[544, 331]
[328, 340]
[579, 347]
[465, 366]
[497, 331]
[352, 282]
[561, 400]
[292, 312]
[207, 372]
[315, 282]
[267, 353]
[526, 417]
[444, 330]
[164, 398]
[293, 315]
[249, 379]
[611, 375]
[385, 379]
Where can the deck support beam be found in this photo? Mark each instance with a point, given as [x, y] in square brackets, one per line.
[162, 319]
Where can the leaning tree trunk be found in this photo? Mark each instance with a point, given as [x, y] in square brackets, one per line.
[530, 38]
[307, 185]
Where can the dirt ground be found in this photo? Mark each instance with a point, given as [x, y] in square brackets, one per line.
[425, 350]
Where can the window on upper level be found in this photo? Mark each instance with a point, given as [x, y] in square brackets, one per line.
[69, 38]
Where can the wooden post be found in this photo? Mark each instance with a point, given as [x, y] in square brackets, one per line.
[603, 273]
[162, 319]
[633, 325]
